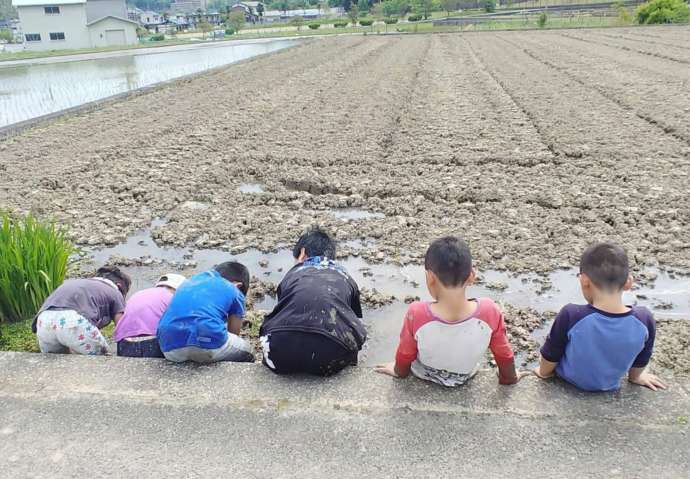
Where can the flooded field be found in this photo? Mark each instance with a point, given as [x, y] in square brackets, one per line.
[530, 145]
[30, 91]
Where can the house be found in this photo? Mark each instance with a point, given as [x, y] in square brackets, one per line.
[253, 11]
[271, 16]
[63, 24]
[188, 6]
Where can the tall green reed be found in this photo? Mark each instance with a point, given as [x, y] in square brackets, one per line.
[33, 262]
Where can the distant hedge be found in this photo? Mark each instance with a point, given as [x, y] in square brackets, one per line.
[366, 23]
[157, 37]
[390, 21]
[340, 24]
[663, 11]
[414, 18]
[314, 26]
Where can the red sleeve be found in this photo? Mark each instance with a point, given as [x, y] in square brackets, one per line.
[407, 348]
[499, 345]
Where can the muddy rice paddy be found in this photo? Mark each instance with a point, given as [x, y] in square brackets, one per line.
[528, 144]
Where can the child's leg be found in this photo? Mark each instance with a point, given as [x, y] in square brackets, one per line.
[46, 333]
[236, 349]
[83, 338]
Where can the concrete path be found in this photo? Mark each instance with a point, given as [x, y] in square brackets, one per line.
[70, 416]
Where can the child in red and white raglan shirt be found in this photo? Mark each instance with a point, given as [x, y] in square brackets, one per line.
[445, 341]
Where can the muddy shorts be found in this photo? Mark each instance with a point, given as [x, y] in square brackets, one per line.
[140, 347]
[287, 352]
[65, 331]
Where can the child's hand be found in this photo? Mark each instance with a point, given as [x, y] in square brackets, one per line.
[648, 380]
[537, 372]
[387, 368]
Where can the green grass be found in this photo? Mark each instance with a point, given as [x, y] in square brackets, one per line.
[33, 262]
[18, 337]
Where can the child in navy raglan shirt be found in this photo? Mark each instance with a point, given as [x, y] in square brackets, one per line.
[594, 345]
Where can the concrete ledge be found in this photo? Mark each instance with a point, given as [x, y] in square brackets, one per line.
[63, 416]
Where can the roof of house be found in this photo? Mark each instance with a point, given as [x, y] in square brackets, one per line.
[114, 17]
[37, 3]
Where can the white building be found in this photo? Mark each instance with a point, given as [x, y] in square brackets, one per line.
[63, 24]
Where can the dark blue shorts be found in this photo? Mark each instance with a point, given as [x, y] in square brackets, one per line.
[140, 349]
[310, 353]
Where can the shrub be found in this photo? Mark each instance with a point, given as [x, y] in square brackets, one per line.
[390, 21]
[663, 11]
[314, 26]
[33, 262]
[339, 24]
[543, 18]
[414, 18]
[366, 22]
[490, 6]
[229, 31]
[157, 37]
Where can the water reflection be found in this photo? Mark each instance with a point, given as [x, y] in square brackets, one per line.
[30, 91]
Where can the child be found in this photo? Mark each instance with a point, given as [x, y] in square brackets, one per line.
[204, 318]
[316, 326]
[445, 341]
[135, 333]
[72, 316]
[593, 345]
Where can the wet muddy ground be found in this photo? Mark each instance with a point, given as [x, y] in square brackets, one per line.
[528, 144]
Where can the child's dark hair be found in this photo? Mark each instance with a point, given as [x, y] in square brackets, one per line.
[117, 276]
[316, 242]
[450, 260]
[235, 273]
[606, 265]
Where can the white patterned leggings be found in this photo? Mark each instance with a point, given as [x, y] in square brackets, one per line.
[67, 331]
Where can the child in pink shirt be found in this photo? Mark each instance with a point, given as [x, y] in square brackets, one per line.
[445, 341]
[135, 333]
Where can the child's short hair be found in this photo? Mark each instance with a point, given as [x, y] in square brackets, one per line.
[235, 273]
[449, 258]
[117, 276]
[606, 265]
[316, 242]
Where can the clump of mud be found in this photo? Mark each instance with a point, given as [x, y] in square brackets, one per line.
[520, 326]
[672, 346]
[373, 298]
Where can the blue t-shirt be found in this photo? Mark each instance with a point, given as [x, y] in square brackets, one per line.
[197, 314]
[595, 349]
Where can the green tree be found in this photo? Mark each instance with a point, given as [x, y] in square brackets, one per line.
[297, 21]
[6, 35]
[490, 6]
[235, 21]
[423, 8]
[663, 11]
[204, 26]
[353, 14]
[363, 6]
[450, 6]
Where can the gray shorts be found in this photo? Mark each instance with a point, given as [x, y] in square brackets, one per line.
[235, 349]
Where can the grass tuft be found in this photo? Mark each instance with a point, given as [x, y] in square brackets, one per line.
[33, 262]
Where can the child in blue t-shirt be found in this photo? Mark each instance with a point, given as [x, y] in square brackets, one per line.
[204, 318]
[594, 345]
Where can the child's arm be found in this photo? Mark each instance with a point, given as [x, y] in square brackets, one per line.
[546, 369]
[407, 351]
[234, 324]
[394, 369]
[641, 377]
[117, 318]
[502, 351]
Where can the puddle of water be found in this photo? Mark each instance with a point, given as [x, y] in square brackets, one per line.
[356, 214]
[383, 324]
[30, 91]
[251, 188]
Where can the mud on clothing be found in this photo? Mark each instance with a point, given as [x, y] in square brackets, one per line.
[316, 297]
[595, 349]
[450, 353]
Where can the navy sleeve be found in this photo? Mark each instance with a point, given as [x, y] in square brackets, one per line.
[355, 304]
[645, 316]
[554, 347]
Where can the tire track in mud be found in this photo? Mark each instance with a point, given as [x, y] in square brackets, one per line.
[500, 85]
[627, 49]
[663, 127]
